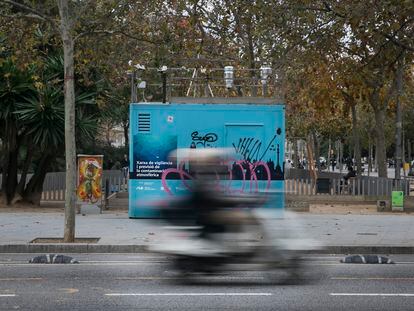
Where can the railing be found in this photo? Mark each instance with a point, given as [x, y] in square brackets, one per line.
[54, 185]
[298, 183]
[362, 186]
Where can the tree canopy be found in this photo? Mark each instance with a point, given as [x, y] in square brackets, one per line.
[336, 65]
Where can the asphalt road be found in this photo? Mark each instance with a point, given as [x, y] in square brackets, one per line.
[146, 282]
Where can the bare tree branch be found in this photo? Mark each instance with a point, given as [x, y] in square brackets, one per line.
[329, 8]
[397, 42]
[81, 11]
[33, 12]
[31, 16]
[113, 32]
[391, 38]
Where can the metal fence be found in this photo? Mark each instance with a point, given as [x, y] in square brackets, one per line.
[54, 185]
[335, 185]
[298, 182]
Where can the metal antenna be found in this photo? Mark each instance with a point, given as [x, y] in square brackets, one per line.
[194, 75]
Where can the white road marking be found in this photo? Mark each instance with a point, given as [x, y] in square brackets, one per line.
[151, 261]
[325, 264]
[48, 265]
[333, 263]
[123, 261]
[7, 295]
[223, 277]
[372, 294]
[324, 257]
[189, 294]
[85, 263]
[89, 261]
[21, 279]
[374, 278]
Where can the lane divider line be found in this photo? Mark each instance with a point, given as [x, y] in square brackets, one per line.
[83, 264]
[189, 294]
[221, 277]
[89, 261]
[7, 295]
[373, 278]
[20, 279]
[372, 294]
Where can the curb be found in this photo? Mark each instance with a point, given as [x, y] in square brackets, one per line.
[363, 250]
[105, 248]
[71, 248]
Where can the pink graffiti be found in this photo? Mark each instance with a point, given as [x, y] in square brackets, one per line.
[246, 168]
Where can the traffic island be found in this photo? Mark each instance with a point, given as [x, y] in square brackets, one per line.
[71, 248]
[60, 240]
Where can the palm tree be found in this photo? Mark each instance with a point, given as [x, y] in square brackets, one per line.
[15, 85]
[43, 115]
[32, 125]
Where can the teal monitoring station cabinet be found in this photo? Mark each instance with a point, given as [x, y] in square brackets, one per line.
[252, 128]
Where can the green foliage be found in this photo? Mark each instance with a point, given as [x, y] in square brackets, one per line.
[43, 113]
[329, 56]
[32, 118]
[43, 116]
[15, 84]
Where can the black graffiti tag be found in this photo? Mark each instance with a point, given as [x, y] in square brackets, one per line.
[203, 140]
[249, 148]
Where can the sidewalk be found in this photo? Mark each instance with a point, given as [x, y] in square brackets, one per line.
[340, 233]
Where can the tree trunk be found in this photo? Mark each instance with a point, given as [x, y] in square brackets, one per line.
[404, 158]
[296, 153]
[337, 154]
[251, 55]
[356, 138]
[11, 160]
[25, 169]
[11, 176]
[328, 157]
[398, 123]
[369, 156]
[380, 146]
[70, 143]
[311, 163]
[2, 167]
[34, 189]
[341, 155]
[409, 157]
[317, 150]
[126, 133]
[3, 199]
[108, 135]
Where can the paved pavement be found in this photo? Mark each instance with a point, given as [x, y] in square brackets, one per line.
[118, 233]
[146, 282]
